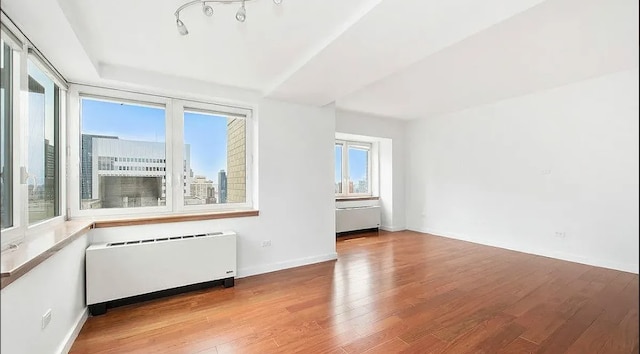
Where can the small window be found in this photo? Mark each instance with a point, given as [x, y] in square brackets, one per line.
[353, 168]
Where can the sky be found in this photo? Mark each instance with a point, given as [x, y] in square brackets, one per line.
[206, 134]
[358, 161]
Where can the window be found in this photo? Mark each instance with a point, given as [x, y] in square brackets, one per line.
[6, 151]
[150, 154]
[215, 158]
[32, 115]
[124, 133]
[353, 168]
[42, 145]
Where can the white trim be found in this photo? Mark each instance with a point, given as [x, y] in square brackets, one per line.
[268, 268]
[14, 36]
[392, 228]
[70, 338]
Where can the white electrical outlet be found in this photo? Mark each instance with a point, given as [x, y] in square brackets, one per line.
[560, 234]
[46, 318]
[266, 243]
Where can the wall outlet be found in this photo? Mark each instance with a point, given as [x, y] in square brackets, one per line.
[266, 243]
[46, 318]
[560, 234]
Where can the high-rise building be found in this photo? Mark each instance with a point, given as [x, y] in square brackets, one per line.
[200, 187]
[222, 186]
[86, 164]
[125, 173]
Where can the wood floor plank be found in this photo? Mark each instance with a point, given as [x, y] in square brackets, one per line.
[387, 293]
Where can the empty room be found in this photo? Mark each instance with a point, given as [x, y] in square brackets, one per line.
[319, 176]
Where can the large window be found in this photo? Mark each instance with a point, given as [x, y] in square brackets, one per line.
[150, 154]
[31, 119]
[353, 168]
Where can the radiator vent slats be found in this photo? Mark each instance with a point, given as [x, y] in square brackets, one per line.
[161, 239]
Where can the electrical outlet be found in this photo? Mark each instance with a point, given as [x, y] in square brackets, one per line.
[46, 318]
[266, 243]
[560, 234]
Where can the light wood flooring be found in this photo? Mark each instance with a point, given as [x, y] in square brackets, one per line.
[389, 293]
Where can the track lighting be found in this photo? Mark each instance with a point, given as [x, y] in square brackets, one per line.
[182, 29]
[207, 10]
[241, 15]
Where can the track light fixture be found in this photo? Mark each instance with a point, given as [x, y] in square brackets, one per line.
[241, 14]
[182, 29]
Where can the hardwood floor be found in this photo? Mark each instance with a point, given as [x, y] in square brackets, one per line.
[395, 292]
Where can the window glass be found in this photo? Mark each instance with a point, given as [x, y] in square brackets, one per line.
[358, 170]
[214, 165]
[42, 145]
[120, 143]
[6, 115]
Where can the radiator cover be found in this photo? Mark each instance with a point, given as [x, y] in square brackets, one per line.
[357, 218]
[123, 269]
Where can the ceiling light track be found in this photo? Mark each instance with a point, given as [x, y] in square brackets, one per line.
[207, 10]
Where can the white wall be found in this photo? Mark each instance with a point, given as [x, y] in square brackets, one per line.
[513, 173]
[391, 132]
[56, 284]
[295, 193]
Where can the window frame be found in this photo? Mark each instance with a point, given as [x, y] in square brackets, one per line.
[23, 51]
[174, 135]
[181, 106]
[346, 144]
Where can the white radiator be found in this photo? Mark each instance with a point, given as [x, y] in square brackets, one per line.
[357, 218]
[123, 269]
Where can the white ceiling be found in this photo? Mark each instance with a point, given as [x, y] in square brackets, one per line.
[398, 58]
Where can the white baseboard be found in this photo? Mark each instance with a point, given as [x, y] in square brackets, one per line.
[631, 268]
[245, 272]
[391, 228]
[73, 334]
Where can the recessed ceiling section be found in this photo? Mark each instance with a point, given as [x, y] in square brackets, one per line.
[552, 44]
[218, 49]
[393, 35]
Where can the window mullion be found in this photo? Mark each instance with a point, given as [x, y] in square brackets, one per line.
[174, 187]
[345, 169]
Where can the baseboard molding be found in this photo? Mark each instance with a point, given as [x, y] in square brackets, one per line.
[71, 337]
[630, 268]
[268, 268]
[391, 228]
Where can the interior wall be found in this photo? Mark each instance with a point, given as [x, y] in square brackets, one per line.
[553, 173]
[392, 158]
[56, 284]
